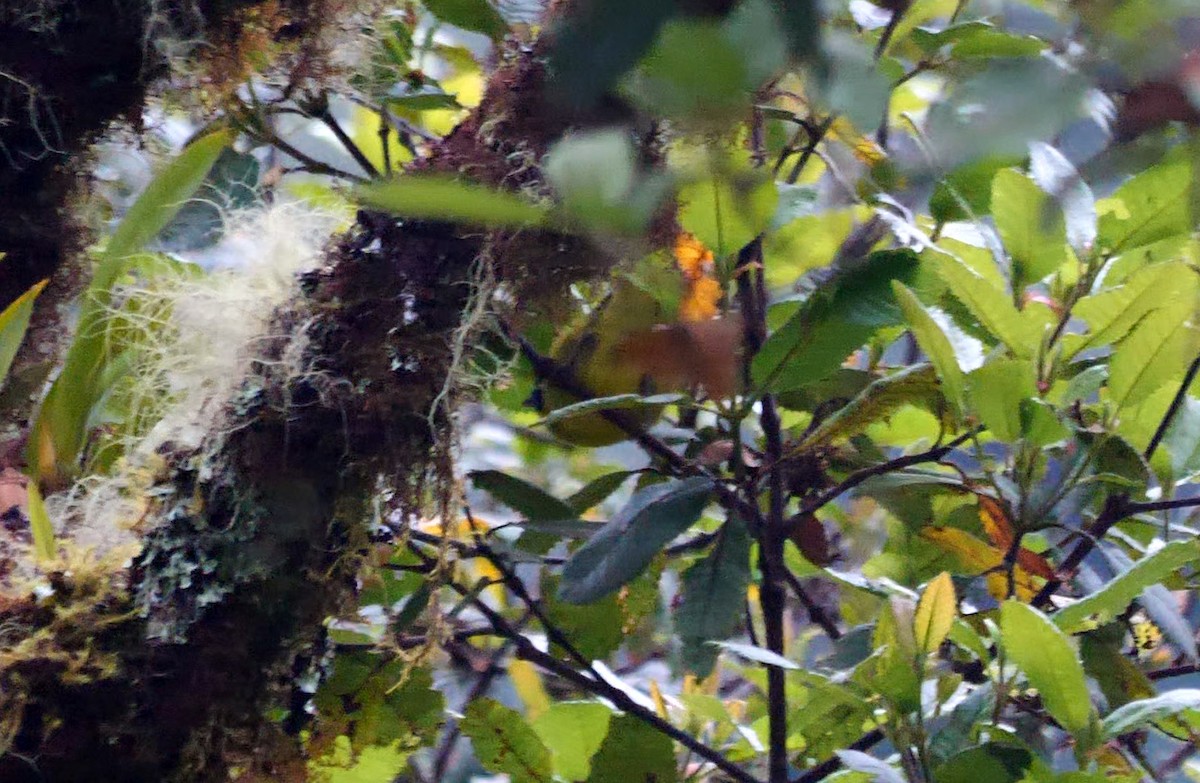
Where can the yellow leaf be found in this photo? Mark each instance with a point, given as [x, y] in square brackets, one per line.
[527, 682]
[935, 613]
[660, 705]
[40, 526]
[983, 559]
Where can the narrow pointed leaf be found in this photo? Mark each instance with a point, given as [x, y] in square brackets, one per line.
[626, 544]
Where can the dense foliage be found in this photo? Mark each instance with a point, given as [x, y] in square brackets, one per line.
[860, 441]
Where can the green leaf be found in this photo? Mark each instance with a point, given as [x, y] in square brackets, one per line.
[757, 654]
[573, 731]
[916, 385]
[435, 197]
[1151, 207]
[713, 597]
[1143, 712]
[521, 496]
[966, 192]
[623, 402]
[987, 763]
[476, 15]
[598, 490]
[231, 184]
[57, 437]
[161, 201]
[1156, 352]
[1054, 174]
[14, 321]
[830, 325]
[997, 390]
[595, 629]
[633, 752]
[991, 307]
[1031, 226]
[595, 173]
[935, 613]
[1110, 601]
[504, 742]
[40, 526]
[1045, 654]
[595, 44]
[1111, 314]
[935, 343]
[727, 212]
[626, 544]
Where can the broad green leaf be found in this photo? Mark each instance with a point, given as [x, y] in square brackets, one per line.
[1104, 659]
[935, 613]
[830, 325]
[1156, 352]
[997, 110]
[595, 173]
[476, 15]
[435, 197]
[1111, 314]
[1151, 207]
[626, 544]
[757, 654]
[966, 192]
[521, 496]
[595, 629]
[573, 731]
[997, 390]
[700, 71]
[987, 763]
[1031, 226]
[713, 597]
[991, 307]
[504, 742]
[14, 321]
[935, 343]
[40, 526]
[594, 45]
[1110, 601]
[1143, 712]
[727, 212]
[1182, 440]
[632, 752]
[916, 385]
[1045, 654]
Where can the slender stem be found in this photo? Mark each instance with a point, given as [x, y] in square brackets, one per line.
[1173, 408]
[815, 612]
[859, 476]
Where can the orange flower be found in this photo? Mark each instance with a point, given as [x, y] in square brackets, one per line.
[704, 292]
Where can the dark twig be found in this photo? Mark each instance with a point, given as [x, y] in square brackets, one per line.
[528, 651]
[1173, 408]
[815, 612]
[859, 476]
[834, 763]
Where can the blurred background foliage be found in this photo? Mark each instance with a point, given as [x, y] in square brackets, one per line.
[911, 284]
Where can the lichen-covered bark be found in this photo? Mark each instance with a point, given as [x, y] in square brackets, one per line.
[255, 538]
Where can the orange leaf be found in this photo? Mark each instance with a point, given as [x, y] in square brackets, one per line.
[995, 519]
[984, 560]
